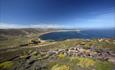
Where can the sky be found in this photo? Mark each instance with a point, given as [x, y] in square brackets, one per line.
[57, 14]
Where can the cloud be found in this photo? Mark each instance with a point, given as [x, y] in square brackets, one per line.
[105, 20]
[7, 26]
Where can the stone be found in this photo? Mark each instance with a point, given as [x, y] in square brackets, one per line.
[111, 59]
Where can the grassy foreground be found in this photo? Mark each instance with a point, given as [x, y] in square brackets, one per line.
[46, 58]
[21, 49]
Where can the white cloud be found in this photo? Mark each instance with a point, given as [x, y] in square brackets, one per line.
[6, 26]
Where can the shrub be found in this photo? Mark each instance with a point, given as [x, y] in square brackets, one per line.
[60, 67]
[86, 62]
[61, 55]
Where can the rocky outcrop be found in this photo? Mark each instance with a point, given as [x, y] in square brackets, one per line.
[82, 52]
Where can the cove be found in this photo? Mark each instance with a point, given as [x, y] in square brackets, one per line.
[84, 34]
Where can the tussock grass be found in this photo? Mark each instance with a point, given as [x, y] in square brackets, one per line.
[7, 65]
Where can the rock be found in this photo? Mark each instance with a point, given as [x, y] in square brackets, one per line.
[65, 53]
[92, 48]
[111, 59]
[51, 52]
[61, 50]
[112, 53]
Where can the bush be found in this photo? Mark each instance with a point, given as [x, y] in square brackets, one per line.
[86, 62]
[61, 55]
[60, 67]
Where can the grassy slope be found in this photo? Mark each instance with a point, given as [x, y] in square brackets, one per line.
[61, 62]
[15, 37]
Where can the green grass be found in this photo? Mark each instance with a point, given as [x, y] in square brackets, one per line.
[63, 62]
[81, 63]
[100, 65]
[61, 55]
[7, 65]
[60, 67]
[86, 62]
[13, 42]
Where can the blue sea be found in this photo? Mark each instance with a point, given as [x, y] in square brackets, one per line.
[82, 34]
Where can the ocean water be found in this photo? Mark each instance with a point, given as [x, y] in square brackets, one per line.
[83, 34]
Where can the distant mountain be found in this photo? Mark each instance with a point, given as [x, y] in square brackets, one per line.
[24, 31]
